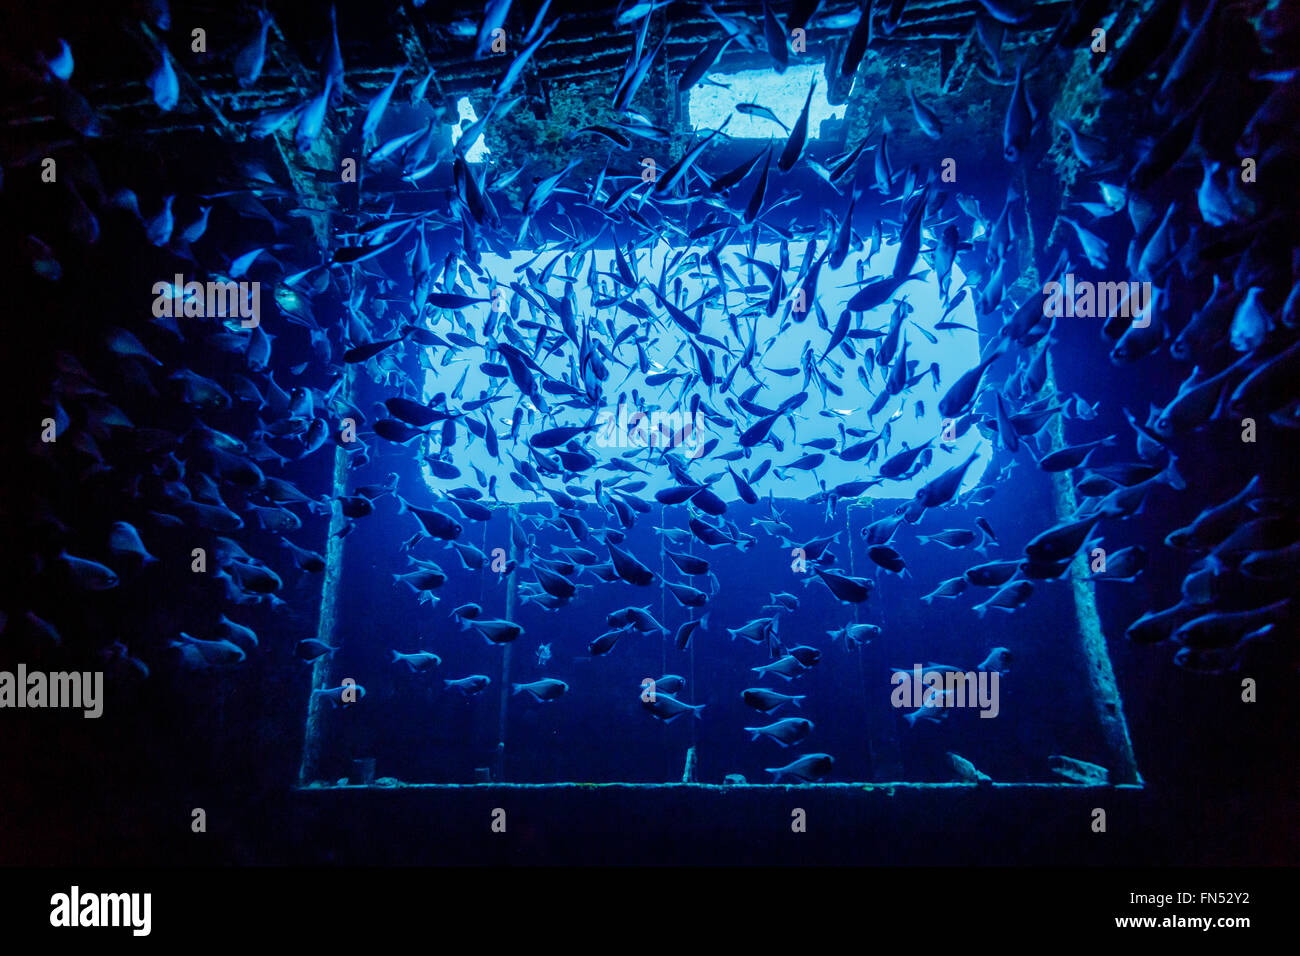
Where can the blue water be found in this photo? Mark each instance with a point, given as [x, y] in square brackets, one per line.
[419, 732]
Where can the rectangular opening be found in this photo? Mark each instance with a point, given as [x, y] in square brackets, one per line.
[419, 729]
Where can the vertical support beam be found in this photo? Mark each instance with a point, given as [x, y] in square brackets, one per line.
[691, 689]
[880, 724]
[1098, 671]
[688, 771]
[512, 600]
[663, 644]
[323, 669]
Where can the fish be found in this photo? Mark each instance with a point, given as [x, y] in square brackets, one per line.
[794, 145]
[252, 55]
[951, 588]
[124, 540]
[435, 523]
[966, 770]
[856, 634]
[638, 618]
[765, 112]
[544, 690]
[163, 83]
[469, 686]
[701, 64]
[495, 631]
[992, 573]
[1123, 565]
[622, 360]
[926, 118]
[767, 701]
[787, 666]
[887, 558]
[961, 394]
[776, 40]
[197, 654]
[1079, 771]
[89, 575]
[682, 639]
[668, 684]
[628, 567]
[850, 590]
[309, 649]
[668, 708]
[787, 732]
[1073, 456]
[1008, 598]
[1090, 150]
[494, 18]
[950, 538]
[1019, 121]
[941, 489]
[809, 768]
[418, 662]
[1061, 541]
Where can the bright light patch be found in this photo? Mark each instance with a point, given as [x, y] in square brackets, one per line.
[477, 152]
[913, 416]
[782, 93]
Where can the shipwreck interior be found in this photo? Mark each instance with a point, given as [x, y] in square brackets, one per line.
[286, 777]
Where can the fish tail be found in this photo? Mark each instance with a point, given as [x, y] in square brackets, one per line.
[796, 698]
[396, 656]
[1172, 477]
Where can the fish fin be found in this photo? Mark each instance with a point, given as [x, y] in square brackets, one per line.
[396, 656]
[1172, 477]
